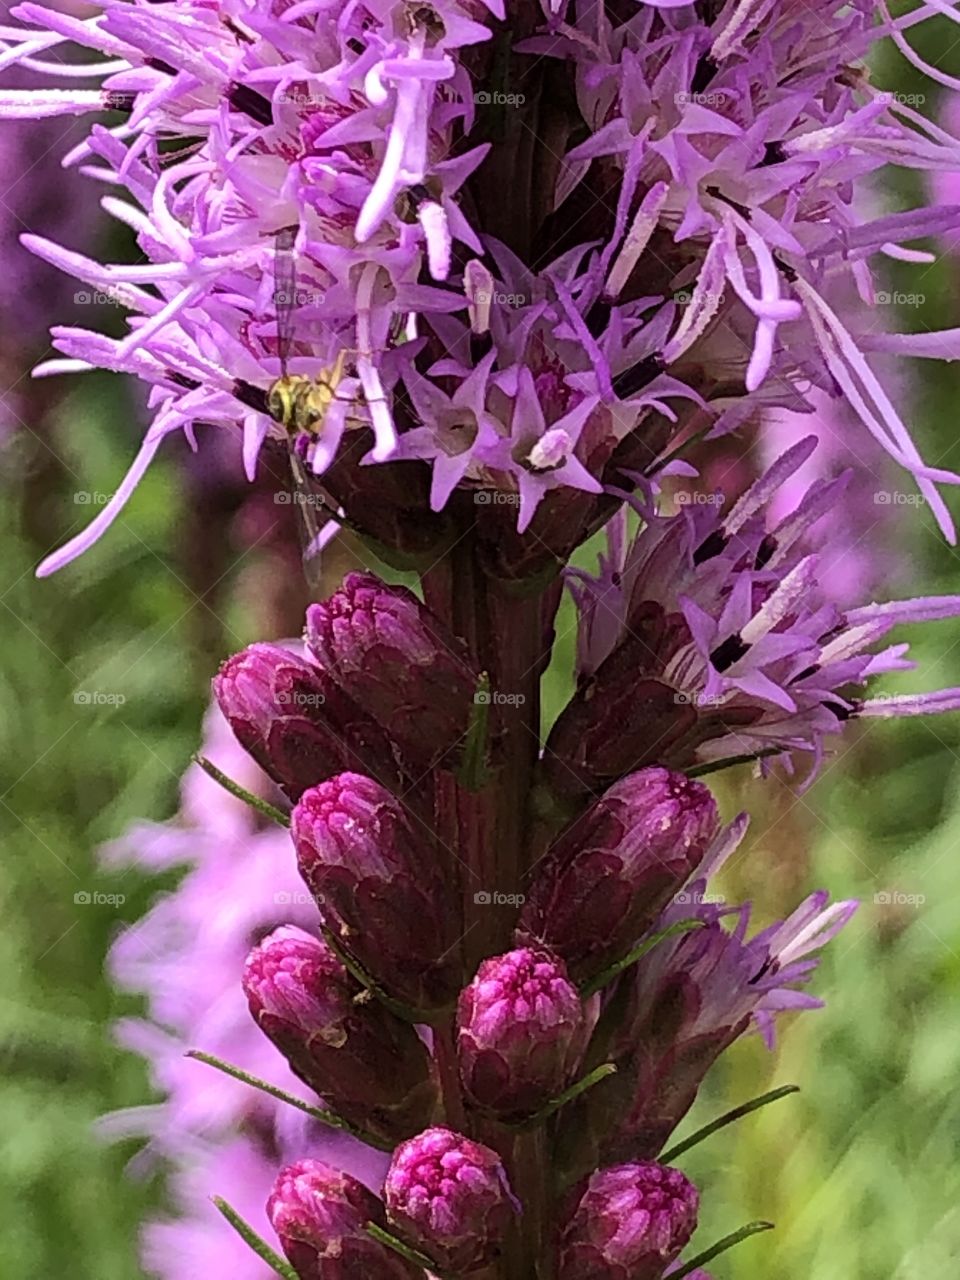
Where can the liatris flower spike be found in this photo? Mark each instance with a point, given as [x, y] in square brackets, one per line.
[481, 279]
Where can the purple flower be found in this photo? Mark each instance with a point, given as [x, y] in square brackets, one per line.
[629, 1222]
[381, 891]
[521, 1032]
[296, 721]
[677, 1010]
[604, 882]
[708, 636]
[450, 1198]
[398, 662]
[369, 1066]
[321, 1216]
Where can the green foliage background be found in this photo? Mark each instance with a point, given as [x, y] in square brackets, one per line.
[859, 1172]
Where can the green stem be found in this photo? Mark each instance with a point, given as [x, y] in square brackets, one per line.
[728, 1117]
[405, 1251]
[241, 793]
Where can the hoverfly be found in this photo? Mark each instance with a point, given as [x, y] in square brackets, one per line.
[300, 405]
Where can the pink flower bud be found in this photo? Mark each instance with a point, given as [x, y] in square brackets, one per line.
[449, 1197]
[320, 1216]
[380, 888]
[604, 882]
[630, 1220]
[399, 663]
[368, 1065]
[296, 722]
[521, 1032]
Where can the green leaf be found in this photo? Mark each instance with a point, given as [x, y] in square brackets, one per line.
[259, 1246]
[262, 806]
[708, 1255]
[602, 979]
[317, 1113]
[405, 1251]
[727, 1118]
[593, 1077]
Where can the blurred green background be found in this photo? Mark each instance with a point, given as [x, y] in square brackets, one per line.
[859, 1172]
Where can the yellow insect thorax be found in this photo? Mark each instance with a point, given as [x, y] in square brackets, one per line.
[300, 403]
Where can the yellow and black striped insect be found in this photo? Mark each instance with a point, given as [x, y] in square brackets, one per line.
[300, 404]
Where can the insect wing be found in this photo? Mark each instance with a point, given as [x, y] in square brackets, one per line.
[314, 535]
[285, 293]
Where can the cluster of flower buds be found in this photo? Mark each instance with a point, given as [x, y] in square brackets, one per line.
[566, 1030]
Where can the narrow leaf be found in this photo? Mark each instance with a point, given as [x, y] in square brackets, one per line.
[258, 1245]
[316, 1113]
[602, 979]
[714, 766]
[708, 1255]
[581, 1086]
[404, 1250]
[473, 773]
[728, 1117]
[262, 806]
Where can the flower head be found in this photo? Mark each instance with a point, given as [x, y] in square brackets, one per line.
[607, 878]
[450, 1198]
[321, 1216]
[521, 1032]
[629, 1221]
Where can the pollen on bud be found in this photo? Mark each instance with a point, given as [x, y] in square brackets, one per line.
[521, 1032]
[320, 1216]
[368, 1065]
[450, 1198]
[603, 883]
[400, 664]
[627, 1220]
[380, 888]
[295, 721]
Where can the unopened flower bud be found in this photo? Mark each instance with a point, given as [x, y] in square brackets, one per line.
[522, 1031]
[604, 882]
[380, 888]
[628, 1220]
[399, 663]
[368, 1065]
[321, 1215]
[296, 722]
[449, 1197]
